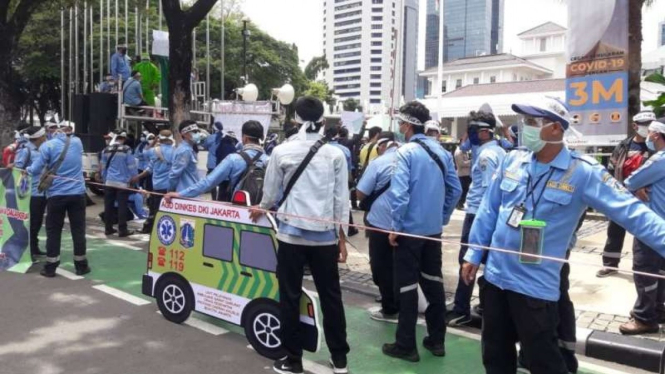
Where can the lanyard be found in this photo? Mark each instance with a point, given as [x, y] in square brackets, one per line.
[531, 189]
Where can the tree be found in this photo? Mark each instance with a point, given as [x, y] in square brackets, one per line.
[315, 66]
[321, 91]
[181, 23]
[658, 105]
[635, 55]
[351, 104]
[14, 16]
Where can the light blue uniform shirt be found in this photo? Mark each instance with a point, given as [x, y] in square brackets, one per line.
[26, 156]
[132, 92]
[490, 156]
[210, 144]
[652, 175]
[230, 169]
[71, 170]
[183, 170]
[377, 175]
[122, 166]
[346, 152]
[119, 66]
[158, 167]
[421, 199]
[466, 147]
[576, 182]
[140, 155]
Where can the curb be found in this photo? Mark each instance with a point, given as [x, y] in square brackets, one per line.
[630, 351]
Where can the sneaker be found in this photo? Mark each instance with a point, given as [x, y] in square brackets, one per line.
[286, 366]
[636, 327]
[110, 232]
[438, 350]
[378, 315]
[454, 319]
[478, 310]
[393, 350]
[339, 365]
[47, 273]
[83, 270]
[353, 231]
[604, 273]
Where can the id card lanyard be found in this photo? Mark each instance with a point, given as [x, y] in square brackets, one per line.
[533, 230]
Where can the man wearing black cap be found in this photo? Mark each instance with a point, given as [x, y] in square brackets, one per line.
[233, 167]
[320, 190]
[118, 168]
[26, 157]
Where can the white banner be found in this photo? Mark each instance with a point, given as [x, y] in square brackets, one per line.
[233, 114]
[352, 121]
[160, 43]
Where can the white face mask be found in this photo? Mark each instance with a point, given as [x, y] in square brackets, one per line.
[532, 140]
[643, 131]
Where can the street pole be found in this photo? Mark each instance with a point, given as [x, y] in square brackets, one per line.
[76, 48]
[101, 40]
[194, 49]
[85, 47]
[127, 23]
[439, 94]
[137, 31]
[160, 15]
[208, 57]
[92, 50]
[62, 62]
[245, 35]
[147, 26]
[108, 33]
[222, 49]
[69, 76]
[116, 22]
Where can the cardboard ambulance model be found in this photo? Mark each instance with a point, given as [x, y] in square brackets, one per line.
[211, 258]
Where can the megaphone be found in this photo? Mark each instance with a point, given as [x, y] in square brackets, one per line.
[249, 93]
[285, 94]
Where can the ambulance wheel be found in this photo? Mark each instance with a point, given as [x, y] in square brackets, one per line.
[262, 329]
[175, 298]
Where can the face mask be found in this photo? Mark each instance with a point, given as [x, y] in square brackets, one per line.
[143, 139]
[196, 137]
[651, 146]
[474, 138]
[531, 138]
[399, 137]
[643, 131]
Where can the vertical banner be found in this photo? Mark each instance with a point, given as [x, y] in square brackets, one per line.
[597, 70]
[14, 221]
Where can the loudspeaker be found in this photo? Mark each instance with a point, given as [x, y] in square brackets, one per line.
[81, 113]
[103, 113]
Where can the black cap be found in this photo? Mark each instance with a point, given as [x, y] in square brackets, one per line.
[253, 129]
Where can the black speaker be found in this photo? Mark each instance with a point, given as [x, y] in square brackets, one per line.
[103, 113]
[81, 113]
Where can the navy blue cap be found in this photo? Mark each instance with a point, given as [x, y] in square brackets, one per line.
[537, 112]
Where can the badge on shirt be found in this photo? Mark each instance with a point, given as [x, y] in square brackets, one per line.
[516, 217]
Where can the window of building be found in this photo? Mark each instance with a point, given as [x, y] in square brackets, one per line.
[348, 46]
[347, 63]
[347, 54]
[257, 251]
[349, 22]
[377, 27]
[443, 85]
[375, 101]
[377, 59]
[514, 77]
[218, 242]
[376, 51]
[375, 84]
[347, 86]
[346, 31]
[476, 80]
[377, 10]
[375, 68]
[377, 44]
[347, 39]
[348, 6]
[377, 18]
[543, 44]
[377, 35]
[349, 94]
[377, 1]
[375, 93]
[347, 79]
[347, 15]
[493, 79]
[458, 83]
[375, 76]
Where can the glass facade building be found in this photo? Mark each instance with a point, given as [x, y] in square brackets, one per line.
[472, 28]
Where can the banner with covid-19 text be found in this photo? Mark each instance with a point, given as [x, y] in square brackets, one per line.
[597, 70]
[14, 221]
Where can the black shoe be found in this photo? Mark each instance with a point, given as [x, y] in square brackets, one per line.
[83, 270]
[110, 232]
[454, 319]
[39, 254]
[393, 350]
[125, 234]
[353, 231]
[47, 273]
[339, 365]
[286, 366]
[438, 350]
[146, 230]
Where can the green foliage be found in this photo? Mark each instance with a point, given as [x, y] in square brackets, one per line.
[320, 90]
[315, 66]
[658, 105]
[351, 104]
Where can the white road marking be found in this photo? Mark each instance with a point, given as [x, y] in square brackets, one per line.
[67, 274]
[121, 295]
[115, 243]
[205, 326]
[315, 368]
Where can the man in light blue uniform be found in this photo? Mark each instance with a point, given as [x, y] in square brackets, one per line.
[118, 169]
[424, 191]
[532, 207]
[120, 63]
[132, 93]
[490, 156]
[183, 171]
[146, 141]
[648, 182]
[332, 133]
[372, 191]
[232, 167]
[26, 157]
[159, 165]
[66, 195]
[210, 144]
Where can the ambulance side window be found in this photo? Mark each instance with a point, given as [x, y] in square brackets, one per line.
[218, 242]
[257, 251]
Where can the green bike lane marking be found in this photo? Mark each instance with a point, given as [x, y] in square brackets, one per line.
[123, 269]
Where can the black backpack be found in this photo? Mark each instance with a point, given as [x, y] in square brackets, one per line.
[251, 180]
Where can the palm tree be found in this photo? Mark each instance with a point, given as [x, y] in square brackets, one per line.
[635, 54]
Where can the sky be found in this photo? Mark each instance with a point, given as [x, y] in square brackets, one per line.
[301, 22]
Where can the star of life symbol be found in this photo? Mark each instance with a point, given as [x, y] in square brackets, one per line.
[166, 230]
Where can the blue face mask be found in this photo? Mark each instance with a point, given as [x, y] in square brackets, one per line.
[474, 138]
[650, 145]
[196, 137]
